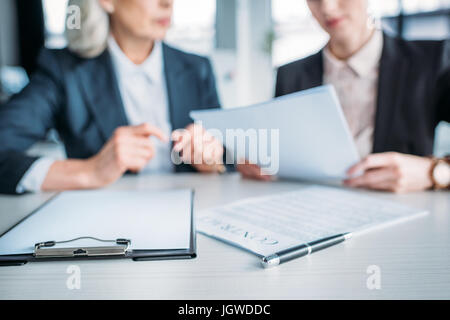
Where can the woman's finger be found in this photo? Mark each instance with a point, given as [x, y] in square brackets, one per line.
[373, 179]
[373, 161]
[251, 171]
[141, 143]
[182, 141]
[213, 154]
[147, 130]
[129, 153]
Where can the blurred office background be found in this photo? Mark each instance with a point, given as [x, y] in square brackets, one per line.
[246, 39]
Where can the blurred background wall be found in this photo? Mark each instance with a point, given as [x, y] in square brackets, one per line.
[246, 39]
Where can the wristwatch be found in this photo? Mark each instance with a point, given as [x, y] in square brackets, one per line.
[440, 173]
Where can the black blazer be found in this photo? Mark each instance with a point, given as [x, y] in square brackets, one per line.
[413, 92]
[80, 98]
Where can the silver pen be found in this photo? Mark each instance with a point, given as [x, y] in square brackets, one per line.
[303, 250]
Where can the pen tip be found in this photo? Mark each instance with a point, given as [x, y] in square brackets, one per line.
[270, 261]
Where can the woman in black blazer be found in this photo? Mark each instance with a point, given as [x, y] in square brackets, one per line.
[395, 91]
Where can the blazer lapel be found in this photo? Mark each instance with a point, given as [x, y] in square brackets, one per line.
[392, 80]
[314, 72]
[99, 84]
[182, 91]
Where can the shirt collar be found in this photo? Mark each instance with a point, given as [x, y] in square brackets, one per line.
[362, 62]
[152, 67]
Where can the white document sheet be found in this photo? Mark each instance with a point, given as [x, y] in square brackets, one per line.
[314, 140]
[266, 225]
[151, 220]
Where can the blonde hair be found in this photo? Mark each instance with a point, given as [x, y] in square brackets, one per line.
[89, 40]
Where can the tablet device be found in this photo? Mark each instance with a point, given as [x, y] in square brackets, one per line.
[303, 135]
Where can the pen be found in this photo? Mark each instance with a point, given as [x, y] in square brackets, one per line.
[303, 250]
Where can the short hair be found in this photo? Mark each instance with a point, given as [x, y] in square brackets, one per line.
[90, 39]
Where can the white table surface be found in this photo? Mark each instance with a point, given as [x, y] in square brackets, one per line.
[413, 257]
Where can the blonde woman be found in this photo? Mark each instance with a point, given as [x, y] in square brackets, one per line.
[117, 96]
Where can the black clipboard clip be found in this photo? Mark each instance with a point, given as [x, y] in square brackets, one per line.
[46, 250]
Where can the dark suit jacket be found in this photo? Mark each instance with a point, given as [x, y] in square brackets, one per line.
[413, 92]
[80, 98]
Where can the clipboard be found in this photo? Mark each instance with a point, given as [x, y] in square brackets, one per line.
[100, 248]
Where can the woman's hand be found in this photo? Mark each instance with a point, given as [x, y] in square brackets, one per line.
[393, 172]
[199, 148]
[129, 149]
[253, 172]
